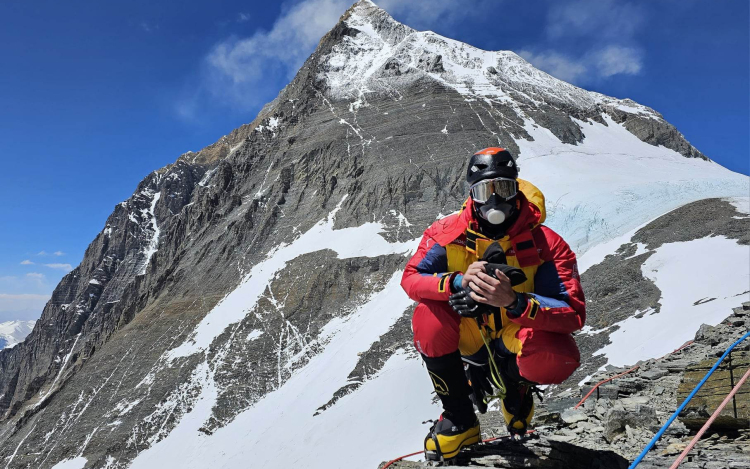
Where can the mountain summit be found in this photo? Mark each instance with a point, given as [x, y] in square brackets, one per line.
[243, 304]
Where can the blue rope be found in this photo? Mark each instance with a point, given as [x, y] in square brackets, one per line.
[684, 403]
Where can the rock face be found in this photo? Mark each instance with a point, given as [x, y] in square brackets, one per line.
[736, 415]
[637, 404]
[229, 272]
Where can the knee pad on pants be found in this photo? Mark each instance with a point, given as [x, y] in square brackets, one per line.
[547, 357]
[436, 328]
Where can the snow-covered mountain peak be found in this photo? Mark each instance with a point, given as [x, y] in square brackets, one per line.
[382, 52]
[13, 332]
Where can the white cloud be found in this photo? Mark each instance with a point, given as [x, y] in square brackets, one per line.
[23, 297]
[32, 282]
[239, 68]
[37, 279]
[26, 262]
[605, 19]
[65, 267]
[242, 72]
[590, 67]
[242, 17]
[148, 27]
[609, 26]
[557, 65]
[41, 253]
[58, 253]
[615, 60]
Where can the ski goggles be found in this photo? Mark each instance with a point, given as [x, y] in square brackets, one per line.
[504, 188]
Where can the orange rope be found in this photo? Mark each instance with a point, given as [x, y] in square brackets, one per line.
[710, 420]
[419, 452]
[624, 373]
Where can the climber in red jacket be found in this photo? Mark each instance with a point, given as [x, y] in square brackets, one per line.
[499, 292]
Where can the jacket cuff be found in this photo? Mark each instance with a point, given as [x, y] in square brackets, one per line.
[521, 303]
[456, 279]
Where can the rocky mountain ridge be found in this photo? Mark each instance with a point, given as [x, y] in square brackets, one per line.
[228, 274]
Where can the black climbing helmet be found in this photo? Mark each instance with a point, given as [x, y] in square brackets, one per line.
[490, 163]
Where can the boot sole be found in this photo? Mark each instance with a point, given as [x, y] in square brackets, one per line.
[434, 456]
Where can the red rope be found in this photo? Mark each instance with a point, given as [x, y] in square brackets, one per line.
[624, 373]
[710, 421]
[419, 452]
[602, 382]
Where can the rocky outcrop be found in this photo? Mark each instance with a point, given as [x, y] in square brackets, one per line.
[536, 451]
[616, 422]
[736, 415]
[117, 277]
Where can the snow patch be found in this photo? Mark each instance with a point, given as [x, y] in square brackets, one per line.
[154, 242]
[742, 204]
[261, 433]
[689, 297]
[640, 248]
[592, 196]
[362, 241]
[76, 463]
[59, 373]
[124, 407]
[206, 177]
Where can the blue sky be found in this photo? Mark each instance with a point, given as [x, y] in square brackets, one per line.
[95, 95]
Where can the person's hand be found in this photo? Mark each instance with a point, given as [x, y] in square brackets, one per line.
[471, 273]
[491, 291]
[465, 305]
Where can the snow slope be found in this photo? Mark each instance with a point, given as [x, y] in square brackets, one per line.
[613, 182]
[692, 295]
[262, 433]
[282, 431]
[353, 66]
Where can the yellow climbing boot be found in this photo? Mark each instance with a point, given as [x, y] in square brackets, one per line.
[446, 439]
[518, 408]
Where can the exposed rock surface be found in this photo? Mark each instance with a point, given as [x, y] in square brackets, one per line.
[614, 425]
[546, 452]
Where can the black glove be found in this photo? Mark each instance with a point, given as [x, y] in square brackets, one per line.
[466, 306]
[479, 380]
[496, 259]
[515, 274]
